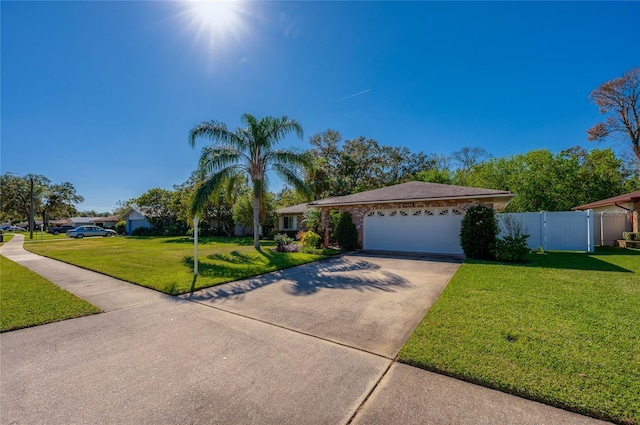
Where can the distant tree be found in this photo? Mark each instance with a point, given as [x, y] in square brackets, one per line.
[162, 207]
[58, 200]
[287, 197]
[248, 151]
[465, 159]
[345, 167]
[217, 214]
[50, 200]
[243, 210]
[438, 171]
[619, 100]
[546, 181]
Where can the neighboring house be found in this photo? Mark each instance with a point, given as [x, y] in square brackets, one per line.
[290, 218]
[62, 222]
[135, 218]
[413, 216]
[82, 221]
[108, 222]
[615, 215]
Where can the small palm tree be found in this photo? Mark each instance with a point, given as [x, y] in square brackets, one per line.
[249, 151]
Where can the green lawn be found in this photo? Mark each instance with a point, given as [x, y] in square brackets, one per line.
[27, 299]
[563, 329]
[166, 264]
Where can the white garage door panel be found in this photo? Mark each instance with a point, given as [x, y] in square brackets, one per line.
[421, 233]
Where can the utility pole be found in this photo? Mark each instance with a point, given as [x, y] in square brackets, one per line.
[32, 221]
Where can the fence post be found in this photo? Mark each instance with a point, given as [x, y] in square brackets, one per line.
[543, 229]
[601, 227]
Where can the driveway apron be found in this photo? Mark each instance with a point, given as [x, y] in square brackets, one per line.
[368, 302]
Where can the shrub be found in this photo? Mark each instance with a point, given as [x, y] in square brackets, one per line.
[310, 239]
[512, 249]
[143, 231]
[346, 232]
[631, 236]
[290, 233]
[312, 219]
[513, 246]
[283, 242]
[478, 233]
[121, 227]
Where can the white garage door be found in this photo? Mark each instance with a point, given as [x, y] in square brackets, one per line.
[433, 230]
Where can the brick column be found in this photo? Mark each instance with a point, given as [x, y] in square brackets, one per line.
[324, 219]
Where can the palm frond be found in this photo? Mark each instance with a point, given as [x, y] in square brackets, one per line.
[292, 178]
[208, 187]
[216, 132]
[214, 158]
[290, 158]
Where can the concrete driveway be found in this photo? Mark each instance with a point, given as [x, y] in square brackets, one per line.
[368, 302]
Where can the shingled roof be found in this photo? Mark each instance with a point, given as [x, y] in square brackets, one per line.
[295, 209]
[627, 197]
[413, 191]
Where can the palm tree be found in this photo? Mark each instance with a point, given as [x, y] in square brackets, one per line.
[249, 151]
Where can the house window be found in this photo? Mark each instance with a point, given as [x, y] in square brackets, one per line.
[403, 213]
[416, 213]
[456, 212]
[443, 212]
[287, 223]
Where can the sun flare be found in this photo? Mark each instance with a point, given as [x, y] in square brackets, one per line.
[215, 21]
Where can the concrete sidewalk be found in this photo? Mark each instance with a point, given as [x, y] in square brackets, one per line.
[106, 293]
[153, 358]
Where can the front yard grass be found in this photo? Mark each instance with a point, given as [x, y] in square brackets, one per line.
[166, 264]
[563, 329]
[26, 299]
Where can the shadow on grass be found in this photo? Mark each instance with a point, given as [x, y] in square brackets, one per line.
[213, 239]
[309, 279]
[235, 257]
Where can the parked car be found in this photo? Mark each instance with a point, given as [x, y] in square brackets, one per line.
[16, 229]
[60, 229]
[82, 231]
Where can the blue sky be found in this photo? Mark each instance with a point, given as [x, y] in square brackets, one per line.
[102, 94]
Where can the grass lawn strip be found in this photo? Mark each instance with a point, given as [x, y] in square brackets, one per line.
[27, 299]
[166, 264]
[563, 329]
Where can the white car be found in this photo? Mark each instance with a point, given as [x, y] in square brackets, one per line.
[82, 231]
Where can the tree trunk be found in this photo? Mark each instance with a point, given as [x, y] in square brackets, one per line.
[256, 222]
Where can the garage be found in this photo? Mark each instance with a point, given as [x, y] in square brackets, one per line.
[412, 216]
[431, 230]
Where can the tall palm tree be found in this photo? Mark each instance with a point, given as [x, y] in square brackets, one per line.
[249, 151]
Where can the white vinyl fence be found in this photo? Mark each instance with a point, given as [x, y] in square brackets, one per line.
[558, 230]
[609, 225]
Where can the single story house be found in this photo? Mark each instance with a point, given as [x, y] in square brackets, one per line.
[135, 218]
[626, 203]
[290, 218]
[413, 216]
